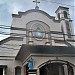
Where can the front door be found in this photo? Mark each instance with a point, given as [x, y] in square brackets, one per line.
[52, 69]
[1, 71]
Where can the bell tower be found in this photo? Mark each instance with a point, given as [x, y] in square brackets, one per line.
[66, 23]
[62, 13]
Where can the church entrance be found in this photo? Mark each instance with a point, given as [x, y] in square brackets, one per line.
[56, 67]
[1, 71]
[52, 69]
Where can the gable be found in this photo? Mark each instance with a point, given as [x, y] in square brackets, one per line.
[23, 18]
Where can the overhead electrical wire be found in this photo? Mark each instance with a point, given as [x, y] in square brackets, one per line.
[57, 3]
[24, 35]
[4, 28]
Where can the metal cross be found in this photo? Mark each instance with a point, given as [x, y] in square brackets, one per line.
[36, 3]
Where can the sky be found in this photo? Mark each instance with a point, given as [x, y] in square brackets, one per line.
[9, 7]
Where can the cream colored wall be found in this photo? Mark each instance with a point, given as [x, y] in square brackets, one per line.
[8, 52]
[10, 48]
[40, 17]
[16, 22]
[10, 65]
[21, 22]
[35, 16]
[38, 60]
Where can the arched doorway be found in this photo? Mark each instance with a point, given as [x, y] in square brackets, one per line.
[56, 67]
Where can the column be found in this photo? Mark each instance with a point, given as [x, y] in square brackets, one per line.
[74, 70]
[30, 38]
[22, 70]
[65, 69]
[38, 72]
[47, 39]
[4, 72]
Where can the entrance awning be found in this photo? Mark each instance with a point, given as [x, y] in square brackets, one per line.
[26, 50]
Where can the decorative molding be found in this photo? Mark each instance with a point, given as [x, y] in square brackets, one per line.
[34, 10]
[61, 7]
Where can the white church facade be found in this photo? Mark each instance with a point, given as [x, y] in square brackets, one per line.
[39, 44]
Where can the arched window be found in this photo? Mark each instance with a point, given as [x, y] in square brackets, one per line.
[18, 70]
[59, 16]
[65, 14]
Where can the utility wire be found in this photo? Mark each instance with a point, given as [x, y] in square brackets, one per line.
[52, 36]
[24, 35]
[4, 26]
[58, 3]
[4, 33]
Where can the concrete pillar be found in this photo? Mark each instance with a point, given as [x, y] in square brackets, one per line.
[30, 41]
[4, 71]
[74, 70]
[38, 72]
[65, 69]
[22, 70]
[47, 39]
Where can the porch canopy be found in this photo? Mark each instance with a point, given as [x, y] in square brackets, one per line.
[44, 50]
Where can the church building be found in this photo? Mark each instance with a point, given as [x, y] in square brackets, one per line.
[39, 44]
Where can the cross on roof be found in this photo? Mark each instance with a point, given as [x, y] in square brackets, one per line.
[36, 4]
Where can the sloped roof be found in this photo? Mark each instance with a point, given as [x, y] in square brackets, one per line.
[26, 50]
[9, 38]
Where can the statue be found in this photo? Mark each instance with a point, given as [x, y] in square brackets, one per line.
[30, 64]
